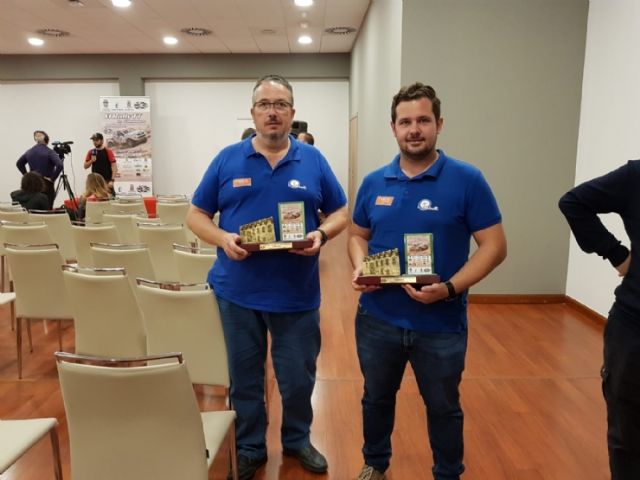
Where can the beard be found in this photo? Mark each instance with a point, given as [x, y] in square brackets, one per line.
[417, 154]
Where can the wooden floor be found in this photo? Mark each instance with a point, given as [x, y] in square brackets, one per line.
[531, 395]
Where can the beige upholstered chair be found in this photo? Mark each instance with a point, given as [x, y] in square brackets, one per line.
[18, 436]
[26, 233]
[125, 224]
[133, 257]
[172, 211]
[14, 213]
[94, 210]
[9, 298]
[108, 322]
[122, 205]
[139, 422]
[40, 291]
[84, 234]
[160, 238]
[193, 263]
[59, 225]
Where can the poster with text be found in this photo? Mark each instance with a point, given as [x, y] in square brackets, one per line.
[126, 125]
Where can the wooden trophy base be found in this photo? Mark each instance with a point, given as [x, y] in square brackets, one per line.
[271, 246]
[383, 280]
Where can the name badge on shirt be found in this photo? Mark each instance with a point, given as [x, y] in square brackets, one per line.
[241, 182]
[384, 201]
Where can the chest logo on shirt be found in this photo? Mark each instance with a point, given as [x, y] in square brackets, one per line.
[426, 205]
[384, 201]
[241, 182]
[293, 183]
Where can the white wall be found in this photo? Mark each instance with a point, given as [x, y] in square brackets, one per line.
[65, 110]
[609, 126]
[192, 120]
[375, 79]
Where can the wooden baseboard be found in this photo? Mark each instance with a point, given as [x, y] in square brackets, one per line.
[517, 299]
[586, 311]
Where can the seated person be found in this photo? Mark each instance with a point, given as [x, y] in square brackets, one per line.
[31, 195]
[96, 189]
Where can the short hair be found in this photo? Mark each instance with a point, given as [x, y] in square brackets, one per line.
[40, 135]
[416, 91]
[32, 182]
[247, 133]
[309, 138]
[275, 79]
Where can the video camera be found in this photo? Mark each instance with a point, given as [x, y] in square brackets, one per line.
[62, 148]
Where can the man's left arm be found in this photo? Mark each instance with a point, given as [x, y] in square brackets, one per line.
[114, 165]
[57, 165]
[22, 163]
[491, 251]
[335, 222]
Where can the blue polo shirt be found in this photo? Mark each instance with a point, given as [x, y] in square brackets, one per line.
[451, 200]
[243, 187]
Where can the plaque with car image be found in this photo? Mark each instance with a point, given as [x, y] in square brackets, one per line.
[383, 269]
[260, 236]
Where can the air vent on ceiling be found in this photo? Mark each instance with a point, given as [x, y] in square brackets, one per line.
[339, 30]
[196, 31]
[76, 3]
[52, 32]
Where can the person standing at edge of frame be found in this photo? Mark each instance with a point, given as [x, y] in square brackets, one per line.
[422, 191]
[616, 192]
[278, 292]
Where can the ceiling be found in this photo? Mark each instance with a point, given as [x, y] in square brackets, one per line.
[237, 26]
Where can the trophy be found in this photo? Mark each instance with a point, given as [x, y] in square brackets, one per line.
[384, 268]
[260, 235]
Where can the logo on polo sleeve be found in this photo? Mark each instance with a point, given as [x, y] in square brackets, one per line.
[426, 205]
[241, 182]
[384, 201]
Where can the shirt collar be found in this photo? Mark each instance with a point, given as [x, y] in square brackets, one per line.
[293, 153]
[393, 170]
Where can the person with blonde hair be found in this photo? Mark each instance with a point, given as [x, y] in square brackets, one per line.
[95, 189]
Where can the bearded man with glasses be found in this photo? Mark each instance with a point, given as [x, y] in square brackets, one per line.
[276, 292]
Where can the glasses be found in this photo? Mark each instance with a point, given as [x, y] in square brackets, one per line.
[278, 106]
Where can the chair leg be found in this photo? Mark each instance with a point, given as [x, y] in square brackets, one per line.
[60, 335]
[19, 345]
[231, 435]
[2, 260]
[13, 316]
[45, 325]
[29, 335]
[55, 446]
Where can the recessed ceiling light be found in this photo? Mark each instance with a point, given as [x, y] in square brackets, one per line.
[304, 39]
[196, 31]
[268, 31]
[76, 3]
[170, 40]
[303, 3]
[121, 3]
[36, 42]
[52, 32]
[339, 30]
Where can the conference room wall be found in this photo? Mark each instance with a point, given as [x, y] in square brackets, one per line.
[192, 120]
[66, 110]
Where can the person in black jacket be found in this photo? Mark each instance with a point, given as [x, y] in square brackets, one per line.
[31, 195]
[616, 192]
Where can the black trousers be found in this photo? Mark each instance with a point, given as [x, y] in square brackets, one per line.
[50, 192]
[621, 388]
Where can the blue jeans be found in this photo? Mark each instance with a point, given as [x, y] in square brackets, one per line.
[437, 361]
[621, 388]
[295, 344]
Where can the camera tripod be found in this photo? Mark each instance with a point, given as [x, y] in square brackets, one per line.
[63, 182]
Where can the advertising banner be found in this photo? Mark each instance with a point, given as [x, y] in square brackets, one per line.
[126, 125]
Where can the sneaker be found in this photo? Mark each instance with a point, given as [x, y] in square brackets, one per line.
[370, 473]
[310, 458]
[247, 467]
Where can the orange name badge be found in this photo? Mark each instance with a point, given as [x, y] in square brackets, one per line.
[384, 201]
[241, 182]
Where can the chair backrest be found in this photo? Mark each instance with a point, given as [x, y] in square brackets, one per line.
[59, 225]
[14, 213]
[160, 238]
[170, 211]
[132, 423]
[185, 318]
[108, 321]
[87, 233]
[18, 436]
[94, 210]
[194, 263]
[26, 233]
[133, 257]
[122, 206]
[125, 224]
[37, 278]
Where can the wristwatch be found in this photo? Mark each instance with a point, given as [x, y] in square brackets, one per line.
[451, 289]
[324, 236]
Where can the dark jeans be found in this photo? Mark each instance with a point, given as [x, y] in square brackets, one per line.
[621, 388]
[50, 192]
[295, 345]
[437, 361]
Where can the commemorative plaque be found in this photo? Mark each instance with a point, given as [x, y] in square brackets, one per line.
[260, 236]
[384, 268]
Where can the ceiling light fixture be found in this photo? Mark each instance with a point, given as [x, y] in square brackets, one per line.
[304, 24]
[121, 3]
[339, 30]
[76, 3]
[52, 32]
[303, 3]
[170, 40]
[304, 40]
[36, 42]
[196, 31]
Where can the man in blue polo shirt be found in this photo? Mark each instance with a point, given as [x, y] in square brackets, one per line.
[429, 195]
[270, 291]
